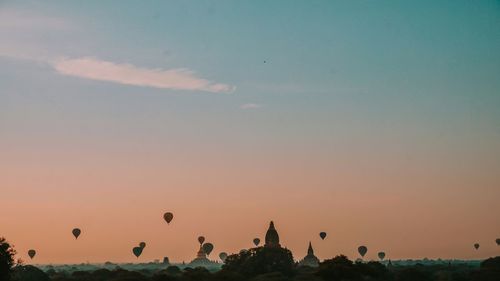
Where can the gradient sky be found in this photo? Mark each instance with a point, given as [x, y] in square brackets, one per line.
[375, 121]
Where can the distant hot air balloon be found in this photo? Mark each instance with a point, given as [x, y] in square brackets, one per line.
[381, 256]
[476, 246]
[201, 239]
[207, 248]
[256, 242]
[168, 217]
[498, 241]
[142, 245]
[31, 253]
[322, 235]
[137, 251]
[223, 256]
[76, 232]
[362, 250]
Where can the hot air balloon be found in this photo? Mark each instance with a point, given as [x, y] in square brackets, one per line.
[168, 217]
[137, 251]
[223, 256]
[322, 235]
[362, 250]
[476, 246]
[256, 242]
[381, 255]
[498, 241]
[31, 253]
[76, 232]
[201, 239]
[142, 245]
[207, 248]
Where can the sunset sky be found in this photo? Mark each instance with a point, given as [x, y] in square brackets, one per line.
[375, 121]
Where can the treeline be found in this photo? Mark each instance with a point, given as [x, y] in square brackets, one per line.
[259, 264]
[336, 269]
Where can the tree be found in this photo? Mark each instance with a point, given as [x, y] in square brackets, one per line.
[29, 273]
[338, 268]
[341, 268]
[7, 254]
[414, 273]
[173, 270]
[489, 270]
[196, 274]
[273, 276]
[262, 260]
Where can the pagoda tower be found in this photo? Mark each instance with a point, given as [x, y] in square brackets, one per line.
[310, 260]
[272, 237]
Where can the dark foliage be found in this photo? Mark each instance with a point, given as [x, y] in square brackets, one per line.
[341, 268]
[28, 273]
[262, 260]
[7, 254]
[489, 270]
[260, 264]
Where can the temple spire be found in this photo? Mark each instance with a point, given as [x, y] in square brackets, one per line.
[272, 237]
[310, 250]
[310, 260]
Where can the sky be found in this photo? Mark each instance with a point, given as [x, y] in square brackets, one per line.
[377, 122]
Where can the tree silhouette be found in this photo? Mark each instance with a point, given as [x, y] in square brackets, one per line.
[29, 273]
[262, 260]
[6, 259]
[489, 270]
[341, 268]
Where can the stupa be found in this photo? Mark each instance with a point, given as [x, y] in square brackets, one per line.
[201, 260]
[272, 237]
[310, 260]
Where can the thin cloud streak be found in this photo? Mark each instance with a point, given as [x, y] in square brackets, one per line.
[250, 106]
[128, 74]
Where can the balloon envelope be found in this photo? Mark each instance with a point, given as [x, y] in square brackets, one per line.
[201, 239]
[476, 246]
[168, 217]
[142, 245]
[31, 253]
[76, 232]
[362, 250]
[207, 248]
[223, 256]
[137, 251]
[256, 242]
[322, 235]
[381, 255]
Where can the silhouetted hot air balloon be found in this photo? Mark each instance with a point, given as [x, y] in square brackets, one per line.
[322, 235]
[142, 245]
[207, 248]
[223, 256]
[76, 232]
[498, 241]
[362, 250]
[31, 253]
[201, 239]
[381, 256]
[476, 246]
[137, 251]
[168, 217]
[256, 242]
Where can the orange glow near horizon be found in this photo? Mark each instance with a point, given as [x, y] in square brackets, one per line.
[120, 202]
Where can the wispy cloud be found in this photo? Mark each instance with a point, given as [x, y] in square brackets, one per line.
[128, 74]
[250, 106]
[26, 32]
